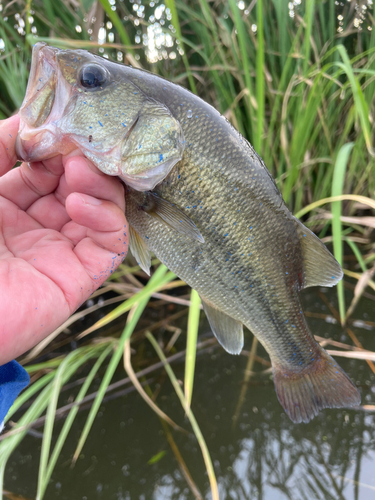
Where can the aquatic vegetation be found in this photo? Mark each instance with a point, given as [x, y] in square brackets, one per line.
[300, 88]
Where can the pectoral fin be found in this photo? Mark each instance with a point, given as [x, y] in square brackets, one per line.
[227, 330]
[139, 250]
[152, 147]
[320, 266]
[171, 215]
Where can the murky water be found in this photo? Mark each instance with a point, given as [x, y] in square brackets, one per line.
[264, 457]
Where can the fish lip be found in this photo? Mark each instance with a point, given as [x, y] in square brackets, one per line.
[19, 149]
[43, 61]
[30, 153]
[36, 142]
[42, 78]
[42, 72]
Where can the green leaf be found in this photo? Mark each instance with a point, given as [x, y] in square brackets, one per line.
[132, 320]
[156, 458]
[191, 347]
[337, 190]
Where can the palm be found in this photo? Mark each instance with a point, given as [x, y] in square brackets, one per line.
[56, 247]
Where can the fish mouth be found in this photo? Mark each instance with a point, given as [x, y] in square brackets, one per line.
[44, 101]
[41, 87]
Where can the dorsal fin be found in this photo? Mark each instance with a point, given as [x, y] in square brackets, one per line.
[228, 331]
[171, 215]
[139, 250]
[320, 266]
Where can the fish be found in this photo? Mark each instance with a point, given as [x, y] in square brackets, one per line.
[201, 199]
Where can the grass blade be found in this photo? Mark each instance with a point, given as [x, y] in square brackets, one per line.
[245, 382]
[259, 79]
[191, 344]
[129, 370]
[352, 197]
[356, 252]
[337, 188]
[151, 287]
[43, 483]
[193, 422]
[114, 17]
[131, 323]
[243, 41]
[50, 419]
[359, 100]
[181, 462]
[360, 287]
[176, 24]
[309, 16]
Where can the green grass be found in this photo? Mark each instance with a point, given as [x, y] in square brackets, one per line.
[191, 345]
[301, 94]
[337, 187]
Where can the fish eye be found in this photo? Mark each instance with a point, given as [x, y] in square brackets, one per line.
[92, 76]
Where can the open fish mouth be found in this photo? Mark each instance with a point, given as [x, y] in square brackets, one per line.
[44, 94]
[41, 87]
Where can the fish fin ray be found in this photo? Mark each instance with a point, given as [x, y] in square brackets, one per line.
[320, 266]
[139, 250]
[228, 331]
[323, 384]
[173, 216]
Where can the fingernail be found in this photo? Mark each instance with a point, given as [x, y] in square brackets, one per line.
[90, 200]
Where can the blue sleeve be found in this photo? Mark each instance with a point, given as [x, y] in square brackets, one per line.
[13, 378]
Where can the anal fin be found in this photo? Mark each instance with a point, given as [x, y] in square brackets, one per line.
[322, 384]
[139, 250]
[320, 266]
[228, 331]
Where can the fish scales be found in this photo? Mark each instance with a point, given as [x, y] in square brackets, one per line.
[201, 199]
[236, 230]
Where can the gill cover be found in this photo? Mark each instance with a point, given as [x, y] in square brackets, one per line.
[152, 148]
[76, 99]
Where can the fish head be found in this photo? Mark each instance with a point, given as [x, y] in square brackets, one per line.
[52, 93]
[75, 99]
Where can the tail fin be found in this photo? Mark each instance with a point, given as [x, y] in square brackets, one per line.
[322, 384]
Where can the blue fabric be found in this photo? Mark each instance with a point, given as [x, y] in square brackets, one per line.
[13, 378]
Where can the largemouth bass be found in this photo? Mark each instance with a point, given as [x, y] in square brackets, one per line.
[200, 198]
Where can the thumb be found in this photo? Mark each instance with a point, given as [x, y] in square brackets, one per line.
[8, 134]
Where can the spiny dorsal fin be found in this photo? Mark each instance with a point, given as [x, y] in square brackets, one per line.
[172, 215]
[227, 330]
[139, 250]
[320, 266]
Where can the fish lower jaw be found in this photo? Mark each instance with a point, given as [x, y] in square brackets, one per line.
[36, 145]
[108, 162]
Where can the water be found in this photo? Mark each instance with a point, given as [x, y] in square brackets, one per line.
[264, 457]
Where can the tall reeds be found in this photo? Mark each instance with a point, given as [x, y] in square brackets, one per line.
[299, 84]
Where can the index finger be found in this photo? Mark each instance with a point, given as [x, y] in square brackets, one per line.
[8, 134]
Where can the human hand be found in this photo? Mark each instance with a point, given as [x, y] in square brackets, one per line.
[62, 233]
